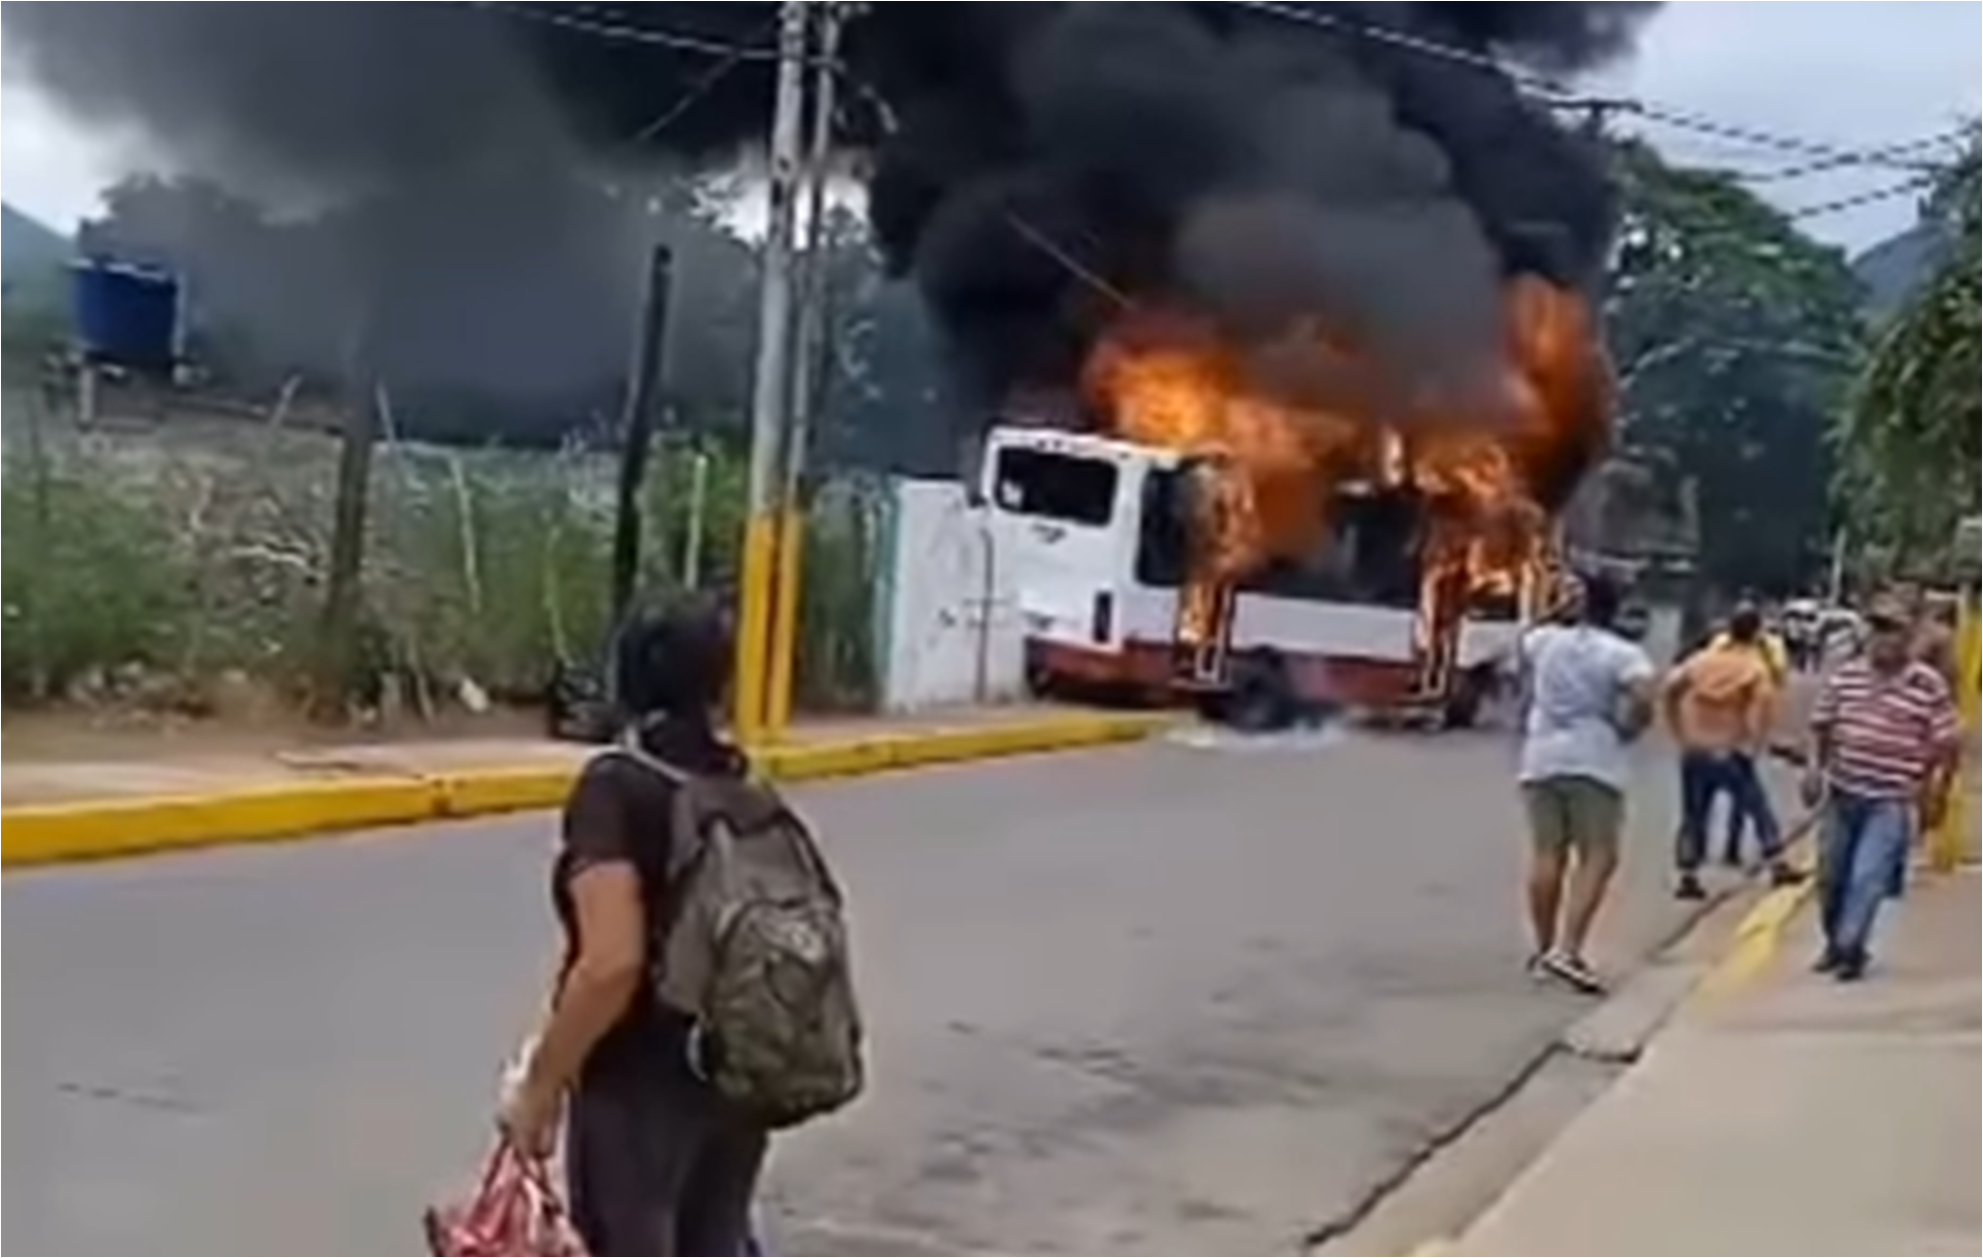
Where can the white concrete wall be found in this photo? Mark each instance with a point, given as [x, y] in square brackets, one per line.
[951, 632]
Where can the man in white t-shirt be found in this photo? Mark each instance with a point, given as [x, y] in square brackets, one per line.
[1589, 693]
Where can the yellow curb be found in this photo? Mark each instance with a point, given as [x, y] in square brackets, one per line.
[64, 833]
[1756, 942]
[69, 833]
[1751, 950]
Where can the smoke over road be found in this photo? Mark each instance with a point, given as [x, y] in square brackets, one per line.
[1262, 166]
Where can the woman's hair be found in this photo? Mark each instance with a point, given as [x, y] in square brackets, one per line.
[673, 663]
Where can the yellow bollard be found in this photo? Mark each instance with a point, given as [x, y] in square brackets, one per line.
[1953, 842]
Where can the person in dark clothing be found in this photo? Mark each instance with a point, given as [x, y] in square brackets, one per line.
[658, 1163]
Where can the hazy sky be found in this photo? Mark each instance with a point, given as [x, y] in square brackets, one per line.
[1849, 73]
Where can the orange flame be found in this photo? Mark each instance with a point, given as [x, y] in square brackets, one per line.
[1167, 379]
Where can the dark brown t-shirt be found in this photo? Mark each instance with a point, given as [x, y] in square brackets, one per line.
[622, 810]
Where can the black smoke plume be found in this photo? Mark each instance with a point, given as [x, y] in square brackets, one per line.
[1031, 163]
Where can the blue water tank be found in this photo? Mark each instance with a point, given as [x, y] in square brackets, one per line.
[126, 314]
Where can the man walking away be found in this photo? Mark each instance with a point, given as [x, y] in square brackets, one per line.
[1721, 706]
[1885, 737]
[1746, 805]
[1590, 693]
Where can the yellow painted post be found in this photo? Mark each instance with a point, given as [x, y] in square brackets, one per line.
[1953, 842]
[787, 610]
[760, 563]
[772, 387]
[781, 673]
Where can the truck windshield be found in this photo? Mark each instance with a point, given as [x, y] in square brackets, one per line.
[1061, 487]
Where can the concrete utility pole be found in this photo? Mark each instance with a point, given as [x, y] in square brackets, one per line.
[807, 378]
[771, 396]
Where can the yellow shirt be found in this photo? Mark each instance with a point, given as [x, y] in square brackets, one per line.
[1721, 700]
[1775, 656]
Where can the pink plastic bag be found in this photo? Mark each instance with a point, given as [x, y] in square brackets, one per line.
[517, 1211]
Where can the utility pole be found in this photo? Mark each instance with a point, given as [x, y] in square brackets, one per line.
[637, 428]
[806, 380]
[771, 395]
[342, 625]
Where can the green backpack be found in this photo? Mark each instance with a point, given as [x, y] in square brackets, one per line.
[755, 949]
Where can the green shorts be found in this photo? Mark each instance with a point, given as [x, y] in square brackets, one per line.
[1572, 814]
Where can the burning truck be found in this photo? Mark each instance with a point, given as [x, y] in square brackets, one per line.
[1211, 540]
[1317, 276]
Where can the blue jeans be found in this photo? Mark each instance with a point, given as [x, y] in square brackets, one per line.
[1704, 777]
[1863, 842]
[1752, 804]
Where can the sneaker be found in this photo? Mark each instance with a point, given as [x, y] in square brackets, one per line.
[1850, 969]
[1827, 963]
[1690, 888]
[1537, 968]
[1574, 972]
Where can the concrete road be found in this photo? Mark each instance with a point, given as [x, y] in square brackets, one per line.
[1152, 1000]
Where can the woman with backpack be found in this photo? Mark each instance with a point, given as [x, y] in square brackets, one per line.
[658, 1161]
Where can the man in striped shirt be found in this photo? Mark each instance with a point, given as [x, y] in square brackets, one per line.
[1885, 738]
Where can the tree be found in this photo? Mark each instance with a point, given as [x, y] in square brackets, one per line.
[35, 332]
[1736, 337]
[1909, 443]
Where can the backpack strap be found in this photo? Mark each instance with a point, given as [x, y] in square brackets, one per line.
[740, 804]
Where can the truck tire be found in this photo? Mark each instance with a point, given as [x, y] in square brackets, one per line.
[1470, 694]
[1261, 699]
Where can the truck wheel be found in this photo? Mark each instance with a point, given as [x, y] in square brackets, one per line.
[1261, 699]
[1469, 696]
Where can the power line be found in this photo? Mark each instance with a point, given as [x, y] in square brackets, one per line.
[1911, 155]
[1817, 151]
[1919, 184]
[1378, 33]
[695, 92]
[626, 32]
[1555, 92]
[1824, 155]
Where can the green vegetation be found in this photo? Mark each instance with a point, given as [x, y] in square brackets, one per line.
[1910, 440]
[139, 572]
[1736, 338]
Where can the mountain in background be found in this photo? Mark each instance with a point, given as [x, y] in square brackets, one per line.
[30, 249]
[1897, 267]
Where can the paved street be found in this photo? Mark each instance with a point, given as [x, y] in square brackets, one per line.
[1151, 1000]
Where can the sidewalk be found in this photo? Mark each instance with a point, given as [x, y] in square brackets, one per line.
[1792, 1116]
[62, 810]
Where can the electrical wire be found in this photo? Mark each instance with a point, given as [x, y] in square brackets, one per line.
[1876, 196]
[1911, 155]
[622, 31]
[1558, 94]
[1824, 156]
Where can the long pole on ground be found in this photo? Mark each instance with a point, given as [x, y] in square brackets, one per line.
[771, 388]
[806, 380]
